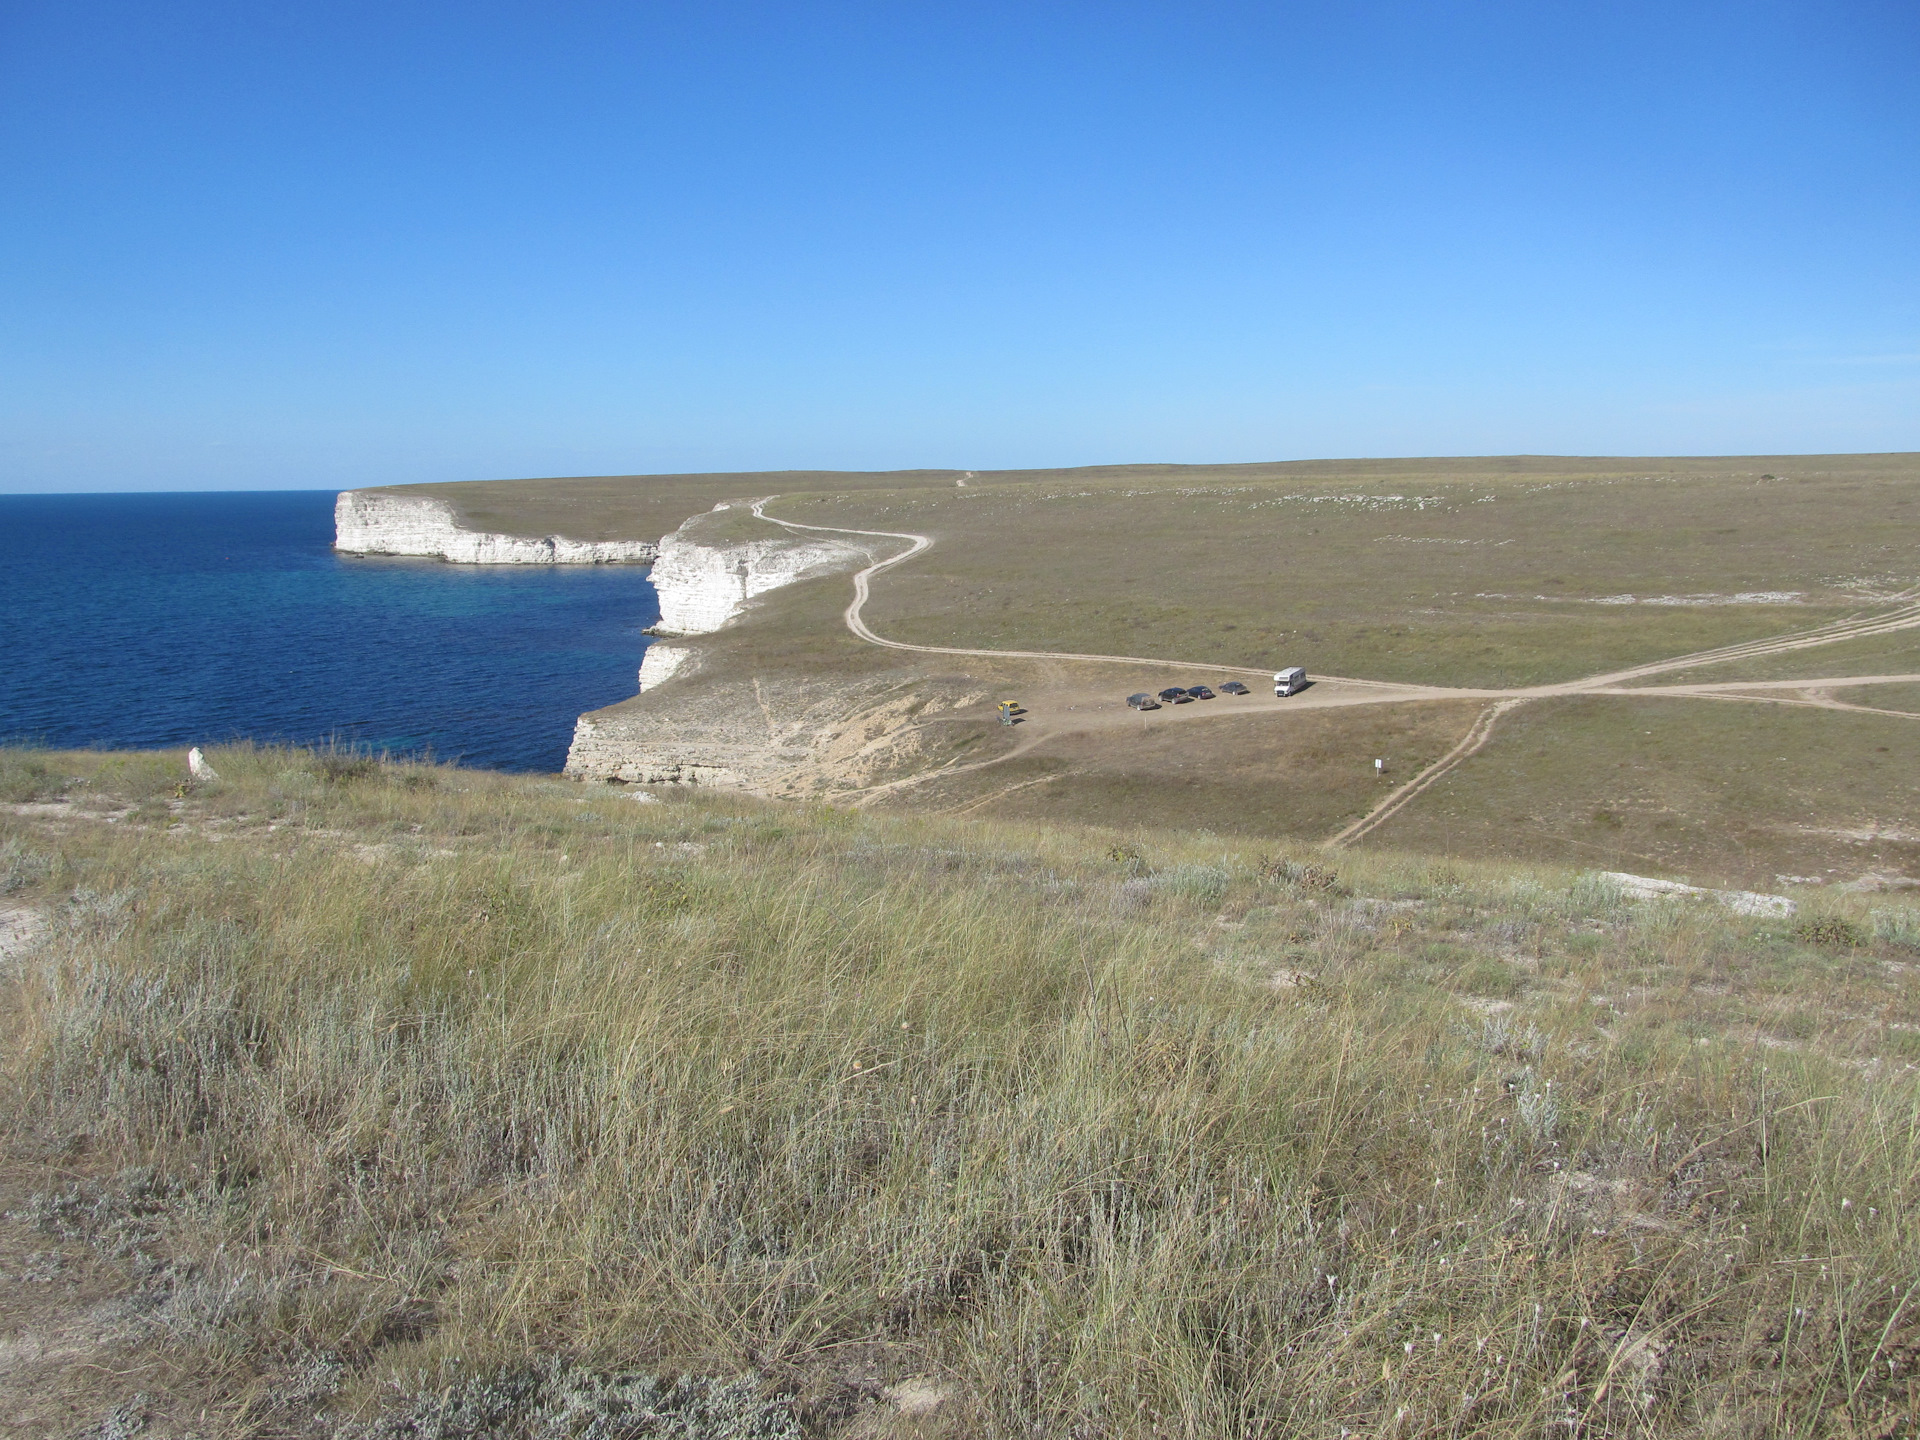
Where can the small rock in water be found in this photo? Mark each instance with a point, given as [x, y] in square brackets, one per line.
[197, 766]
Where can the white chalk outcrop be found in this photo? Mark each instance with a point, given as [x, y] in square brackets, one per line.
[654, 750]
[1741, 902]
[702, 585]
[369, 523]
[723, 731]
[661, 663]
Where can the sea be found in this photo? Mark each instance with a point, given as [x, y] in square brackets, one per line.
[154, 620]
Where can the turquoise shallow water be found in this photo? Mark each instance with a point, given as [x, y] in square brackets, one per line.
[154, 620]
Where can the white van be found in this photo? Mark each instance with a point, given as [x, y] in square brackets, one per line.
[1289, 682]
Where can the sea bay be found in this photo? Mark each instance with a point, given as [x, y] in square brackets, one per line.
[150, 620]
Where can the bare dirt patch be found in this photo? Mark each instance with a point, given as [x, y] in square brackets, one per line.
[1236, 773]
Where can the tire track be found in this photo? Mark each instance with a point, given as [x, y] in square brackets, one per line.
[1853, 627]
[1470, 744]
[862, 591]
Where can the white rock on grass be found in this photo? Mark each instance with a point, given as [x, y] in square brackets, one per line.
[197, 766]
[1741, 902]
[19, 928]
[918, 1396]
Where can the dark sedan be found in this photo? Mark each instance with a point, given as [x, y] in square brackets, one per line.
[1233, 687]
[1199, 692]
[1173, 695]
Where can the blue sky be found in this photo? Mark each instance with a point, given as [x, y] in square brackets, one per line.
[251, 246]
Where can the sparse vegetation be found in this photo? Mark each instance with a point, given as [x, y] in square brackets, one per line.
[1831, 930]
[24, 777]
[1468, 572]
[1452, 572]
[512, 1107]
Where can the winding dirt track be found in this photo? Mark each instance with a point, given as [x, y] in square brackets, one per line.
[918, 543]
[1900, 612]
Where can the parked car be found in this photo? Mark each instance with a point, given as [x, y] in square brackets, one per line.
[1200, 692]
[1234, 687]
[1142, 701]
[1173, 694]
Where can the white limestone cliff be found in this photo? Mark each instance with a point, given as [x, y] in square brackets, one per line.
[782, 735]
[703, 581]
[661, 663]
[642, 750]
[702, 585]
[366, 523]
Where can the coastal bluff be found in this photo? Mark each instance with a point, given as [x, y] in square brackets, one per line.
[369, 523]
[705, 573]
[705, 580]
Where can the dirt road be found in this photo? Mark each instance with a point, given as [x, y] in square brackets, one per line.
[1102, 710]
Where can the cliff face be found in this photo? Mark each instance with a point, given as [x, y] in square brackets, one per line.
[704, 574]
[372, 524]
[726, 729]
[660, 662]
[703, 585]
[787, 737]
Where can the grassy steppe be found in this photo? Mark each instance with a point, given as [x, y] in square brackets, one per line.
[1302, 776]
[1489, 571]
[636, 507]
[1895, 654]
[1445, 577]
[1718, 790]
[341, 1093]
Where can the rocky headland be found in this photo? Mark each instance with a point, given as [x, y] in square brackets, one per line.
[708, 571]
[705, 573]
[370, 523]
[705, 579]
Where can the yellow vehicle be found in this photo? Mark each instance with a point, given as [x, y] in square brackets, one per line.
[1008, 708]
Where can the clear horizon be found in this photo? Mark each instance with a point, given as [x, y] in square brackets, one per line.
[907, 469]
[262, 251]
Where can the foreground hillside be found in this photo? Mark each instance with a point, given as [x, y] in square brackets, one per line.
[344, 1097]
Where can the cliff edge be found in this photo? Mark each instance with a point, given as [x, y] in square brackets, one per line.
[370, 523]
[705, 575]
[707, 572]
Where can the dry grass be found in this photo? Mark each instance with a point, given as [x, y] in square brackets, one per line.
[381, 1086]
[1437, 573]
[1495, 572]
[1727, 792]
[1302, 776]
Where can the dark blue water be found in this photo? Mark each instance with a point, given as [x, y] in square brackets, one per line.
[159, 620]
